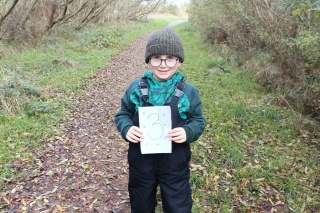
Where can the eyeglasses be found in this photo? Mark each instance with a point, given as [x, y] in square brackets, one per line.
[169, 62]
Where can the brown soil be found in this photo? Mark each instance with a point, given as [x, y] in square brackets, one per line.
[84, 168]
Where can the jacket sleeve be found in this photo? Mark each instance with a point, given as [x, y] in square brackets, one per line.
[124, 117]
[196, 121]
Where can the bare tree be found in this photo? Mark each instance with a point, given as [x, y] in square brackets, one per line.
[6, 13]
[33, 18]
[62, 14]
[134, 10]
[87, 11]
[149, 7]
[97, 11]
[28, 13]
[82, 7]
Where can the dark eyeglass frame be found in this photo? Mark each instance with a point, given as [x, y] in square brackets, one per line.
[165, 61]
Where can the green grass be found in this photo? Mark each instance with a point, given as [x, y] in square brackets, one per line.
[38, 85]
[250, 150]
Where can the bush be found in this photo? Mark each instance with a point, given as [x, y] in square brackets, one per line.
[111, 38]
[287, 32]
[14, 91]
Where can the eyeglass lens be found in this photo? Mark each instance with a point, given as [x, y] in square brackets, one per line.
[169, 62]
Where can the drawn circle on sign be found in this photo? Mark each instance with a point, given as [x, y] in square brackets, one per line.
[155, 117]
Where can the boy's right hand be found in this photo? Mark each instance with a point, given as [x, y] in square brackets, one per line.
[134, 134]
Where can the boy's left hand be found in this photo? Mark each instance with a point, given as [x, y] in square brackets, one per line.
[177, 135]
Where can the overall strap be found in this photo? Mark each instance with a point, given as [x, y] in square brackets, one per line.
[174, 104]
[179, 88]
[177, 94]
[144, 89]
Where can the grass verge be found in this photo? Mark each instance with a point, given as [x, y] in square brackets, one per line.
[250, 157]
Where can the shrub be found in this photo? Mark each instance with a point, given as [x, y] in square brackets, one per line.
[111, 38]
[286, 32]
[35, 107]
[14, 91]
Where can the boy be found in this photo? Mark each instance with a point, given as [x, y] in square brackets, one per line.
[161, 85]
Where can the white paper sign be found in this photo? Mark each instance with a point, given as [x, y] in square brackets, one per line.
[155, 123]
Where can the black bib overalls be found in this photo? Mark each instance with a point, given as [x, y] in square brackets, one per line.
[170, 171]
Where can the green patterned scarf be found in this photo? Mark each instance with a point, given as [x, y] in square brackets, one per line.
[161, 91]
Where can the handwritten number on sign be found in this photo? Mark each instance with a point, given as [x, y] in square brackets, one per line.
[155, 123]
[156, 118]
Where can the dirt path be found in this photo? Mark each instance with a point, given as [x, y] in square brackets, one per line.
[84, 169]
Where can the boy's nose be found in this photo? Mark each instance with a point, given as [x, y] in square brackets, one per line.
[163, 63]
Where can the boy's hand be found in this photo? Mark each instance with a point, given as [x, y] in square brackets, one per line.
[177, 135]
[134, 134]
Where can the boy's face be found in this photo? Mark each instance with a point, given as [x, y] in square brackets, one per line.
[163, 66]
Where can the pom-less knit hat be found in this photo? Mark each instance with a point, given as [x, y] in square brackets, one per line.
[164, 42]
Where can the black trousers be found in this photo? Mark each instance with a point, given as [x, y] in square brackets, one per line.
[169, 171]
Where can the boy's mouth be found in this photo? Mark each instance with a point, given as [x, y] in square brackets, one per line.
[163, 70]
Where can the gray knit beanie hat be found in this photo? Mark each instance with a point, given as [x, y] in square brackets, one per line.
[164, 42]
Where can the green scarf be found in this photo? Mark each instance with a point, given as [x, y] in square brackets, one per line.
[161, 91]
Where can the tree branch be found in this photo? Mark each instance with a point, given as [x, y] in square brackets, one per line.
[2, 18]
